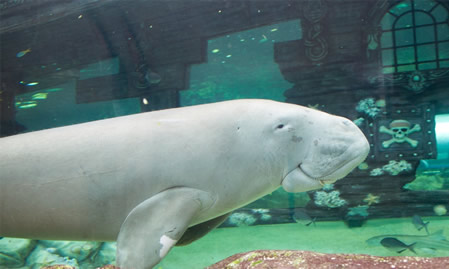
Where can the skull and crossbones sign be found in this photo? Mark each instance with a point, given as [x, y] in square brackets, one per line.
[399, 130]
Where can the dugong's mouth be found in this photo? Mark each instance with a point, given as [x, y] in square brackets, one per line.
[322, 180]
[300, 179]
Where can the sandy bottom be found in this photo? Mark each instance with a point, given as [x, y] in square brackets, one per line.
[326, 237]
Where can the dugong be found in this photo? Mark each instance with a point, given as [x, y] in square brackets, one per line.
[157, 179]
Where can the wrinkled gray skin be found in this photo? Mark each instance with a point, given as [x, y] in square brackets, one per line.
[144, 179]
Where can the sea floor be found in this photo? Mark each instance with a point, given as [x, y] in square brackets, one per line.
[325, 237]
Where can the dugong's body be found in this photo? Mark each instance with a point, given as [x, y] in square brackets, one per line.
[144, 179]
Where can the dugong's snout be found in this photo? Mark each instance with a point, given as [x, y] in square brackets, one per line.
[332, 155]
[337, 151]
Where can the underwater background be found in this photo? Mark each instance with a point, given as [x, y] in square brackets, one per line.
[382, 64]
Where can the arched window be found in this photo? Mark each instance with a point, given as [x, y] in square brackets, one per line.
[415, 36]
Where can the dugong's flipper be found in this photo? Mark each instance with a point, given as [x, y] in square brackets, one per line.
[155, 225]
[196, 232]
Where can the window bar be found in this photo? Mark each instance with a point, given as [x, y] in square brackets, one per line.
[414, 33]
[395, 56]
[434, 6]
[435, 30]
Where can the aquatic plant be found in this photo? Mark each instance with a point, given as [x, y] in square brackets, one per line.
[368, 106]
[329, 199]
[361, 210]
[428, 183]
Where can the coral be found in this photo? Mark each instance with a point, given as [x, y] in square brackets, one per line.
[359, 121]
[440, 210]
[264, 213]
[265, 217]
[376, 172]
[260, 210]
[328, 187]
[371, 199]
[329, 199]
[393, 168]
[363, 166]
[369, 107]
[241, 219]
[361, 210]
[381, 103]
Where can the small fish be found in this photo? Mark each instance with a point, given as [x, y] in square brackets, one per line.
[39, 96]
[264, 39]
[22, 53]
[27, 104]
[419, 223]
[300, 216]
[396, 245]
[435, 241]
[34, 83]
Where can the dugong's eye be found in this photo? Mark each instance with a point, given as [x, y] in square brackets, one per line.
[280, 126]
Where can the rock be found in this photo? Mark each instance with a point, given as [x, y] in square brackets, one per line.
[287, 259]
[104, 255]
[59, 267]
[13, 251]
[71, 267]
[78, 250]
[43, 256]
